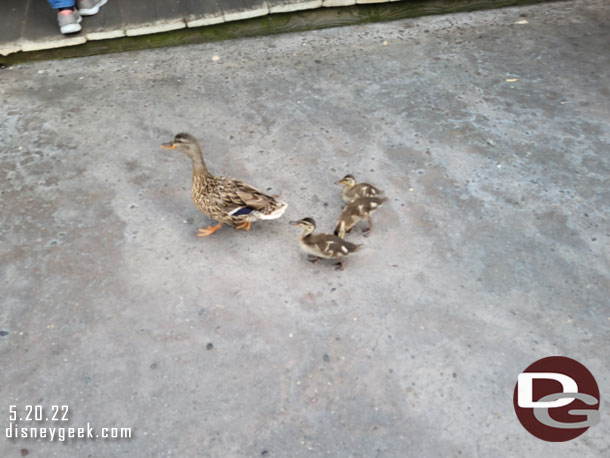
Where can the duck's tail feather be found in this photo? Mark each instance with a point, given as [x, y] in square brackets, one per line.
[273, 211]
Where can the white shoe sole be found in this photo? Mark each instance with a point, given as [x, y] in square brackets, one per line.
[92, 11]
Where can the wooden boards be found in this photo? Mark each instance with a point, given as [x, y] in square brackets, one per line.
[31, 25]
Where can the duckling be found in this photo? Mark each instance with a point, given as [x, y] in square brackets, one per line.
[228, 201]
[358, 210]
[325, 246]
[352, 190]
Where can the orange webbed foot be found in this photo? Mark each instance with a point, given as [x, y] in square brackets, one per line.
[208, 230]
[244, 226]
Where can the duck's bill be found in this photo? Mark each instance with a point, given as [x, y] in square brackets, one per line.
[169, 145]
[339, 182]
[294, 223]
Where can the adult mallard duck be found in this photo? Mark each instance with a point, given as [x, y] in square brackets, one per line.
[352, 190]
[327, 246]
[359, 209]
[230, 202]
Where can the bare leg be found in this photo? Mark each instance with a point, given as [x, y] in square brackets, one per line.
[245, 226]
[313, 259]
[340, 230]
[339, 265]
[368, 230]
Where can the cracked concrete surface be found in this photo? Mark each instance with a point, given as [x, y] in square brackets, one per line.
[493, 251]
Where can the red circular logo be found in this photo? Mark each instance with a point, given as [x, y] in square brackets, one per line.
[556, 399]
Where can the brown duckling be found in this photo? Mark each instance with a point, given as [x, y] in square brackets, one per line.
[358, 210]
[325, 246]
[352, 190]
[228, 201]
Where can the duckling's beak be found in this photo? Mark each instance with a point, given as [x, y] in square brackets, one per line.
[294, 223]
[339, 182]
[169, 145]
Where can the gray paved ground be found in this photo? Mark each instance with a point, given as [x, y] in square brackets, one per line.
[493, 253]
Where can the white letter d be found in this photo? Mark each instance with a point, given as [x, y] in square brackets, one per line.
[525, 389]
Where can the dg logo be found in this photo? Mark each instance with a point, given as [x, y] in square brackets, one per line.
[556, 399]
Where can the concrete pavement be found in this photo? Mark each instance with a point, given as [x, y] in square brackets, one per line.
[489, 136]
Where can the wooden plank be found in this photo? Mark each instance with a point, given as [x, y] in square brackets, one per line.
[106, 24]
[388, 11]
[13, 13]
[41, 31]
[151, 16]
[199, 13]
[271, 24]
[236, 10]
[335, 3]
[288, 6]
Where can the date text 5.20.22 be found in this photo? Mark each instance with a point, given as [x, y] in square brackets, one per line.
[38, 413]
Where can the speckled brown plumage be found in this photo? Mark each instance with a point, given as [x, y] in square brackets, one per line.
[228, 201]
[352, 190]
[357, 210]
[327, 246]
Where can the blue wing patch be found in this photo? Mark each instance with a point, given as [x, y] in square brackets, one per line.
[243, 211]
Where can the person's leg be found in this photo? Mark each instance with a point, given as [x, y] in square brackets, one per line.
[67, 16]
[59, 4]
